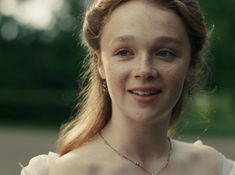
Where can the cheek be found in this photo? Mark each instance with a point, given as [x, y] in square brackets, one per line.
[116, 77]
[175, 78]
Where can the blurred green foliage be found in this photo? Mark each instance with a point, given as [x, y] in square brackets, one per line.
[40, 72]
[212, 112]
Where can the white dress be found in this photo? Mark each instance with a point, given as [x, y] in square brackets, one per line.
[40, 165]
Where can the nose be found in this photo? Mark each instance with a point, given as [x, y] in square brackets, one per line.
[146, 70]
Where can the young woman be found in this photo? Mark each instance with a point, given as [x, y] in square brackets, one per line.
[145, 56]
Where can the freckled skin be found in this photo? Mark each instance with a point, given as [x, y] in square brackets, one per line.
[144, 46]
[146, 25]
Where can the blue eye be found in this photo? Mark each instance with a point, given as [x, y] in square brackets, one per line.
[124, 53]
[166, 54]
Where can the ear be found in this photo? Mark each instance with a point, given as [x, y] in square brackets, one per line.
[101, 69]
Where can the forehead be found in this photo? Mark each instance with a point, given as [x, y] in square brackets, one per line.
[144, 20]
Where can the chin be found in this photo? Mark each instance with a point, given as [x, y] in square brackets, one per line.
[146, 117]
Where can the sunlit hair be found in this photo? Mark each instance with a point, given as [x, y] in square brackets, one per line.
[94, 111]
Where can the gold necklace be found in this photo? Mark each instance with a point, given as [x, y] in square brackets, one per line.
[137, 163]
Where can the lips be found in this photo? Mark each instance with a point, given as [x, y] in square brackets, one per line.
[144, 91]
[145, 94]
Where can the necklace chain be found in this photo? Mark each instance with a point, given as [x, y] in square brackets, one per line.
[137, 163]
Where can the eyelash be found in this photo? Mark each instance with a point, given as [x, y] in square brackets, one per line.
[163, 53]
[118, 53]
[167, 53]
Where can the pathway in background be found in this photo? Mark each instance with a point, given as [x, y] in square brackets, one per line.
[18, 145]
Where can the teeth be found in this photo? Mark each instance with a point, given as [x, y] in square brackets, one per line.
[144, 92]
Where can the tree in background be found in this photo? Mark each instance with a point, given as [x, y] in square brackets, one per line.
[40, 63]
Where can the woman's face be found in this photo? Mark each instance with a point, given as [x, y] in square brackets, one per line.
[145, 53]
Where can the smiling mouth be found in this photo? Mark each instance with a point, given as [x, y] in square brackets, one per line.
[145, 93]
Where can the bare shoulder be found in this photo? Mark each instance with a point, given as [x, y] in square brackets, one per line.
[198, 157]
[196, 150]
[68, 164]
[81, 161]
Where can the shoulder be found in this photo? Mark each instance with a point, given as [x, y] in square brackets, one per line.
[86, 159]
[198, 157]
[77, 162]
[40, 165]
[66, 165]
[196, 150]
[73, 163]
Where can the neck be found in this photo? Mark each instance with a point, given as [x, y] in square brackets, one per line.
[143, 143]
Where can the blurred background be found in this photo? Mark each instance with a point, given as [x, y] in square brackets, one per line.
[40, 61]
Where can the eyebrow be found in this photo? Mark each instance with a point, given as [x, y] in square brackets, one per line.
[162, 39]
[168, 39]
[124, 38]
